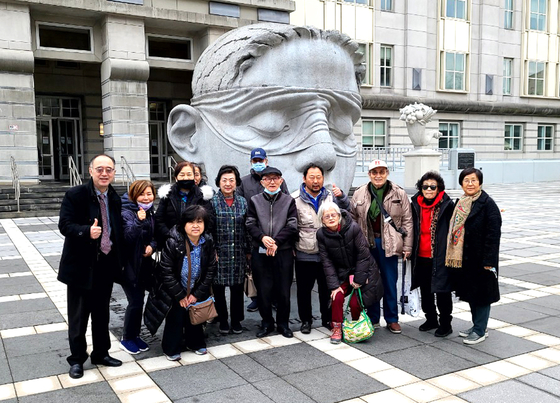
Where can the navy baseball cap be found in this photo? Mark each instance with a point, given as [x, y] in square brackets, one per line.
[258, 153]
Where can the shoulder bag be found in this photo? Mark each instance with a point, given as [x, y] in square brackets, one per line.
[354, 331]
[203, 311]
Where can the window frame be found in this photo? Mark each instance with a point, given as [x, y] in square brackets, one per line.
[366, 4]
[172, 38]
[507, 78]
[368, 59]
[38, 25]
[540, 17]
[542, 139]
[374, 135]
[454, 72]
[536, 79]
[448, 138]
[384, 3]
[511, 136]
[445, 9]
[383, 68]
[508, 14]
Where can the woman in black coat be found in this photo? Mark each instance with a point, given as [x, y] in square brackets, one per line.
[347, 263]
[473, 252]
[172, 298]
[431, 212]
[174, 199]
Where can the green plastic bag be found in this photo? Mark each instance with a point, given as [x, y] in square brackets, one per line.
[354, 331]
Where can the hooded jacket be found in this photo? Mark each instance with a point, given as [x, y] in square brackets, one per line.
[171, 207]
[346, 252]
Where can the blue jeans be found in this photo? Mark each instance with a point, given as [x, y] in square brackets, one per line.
[480, 315]
[388, 268]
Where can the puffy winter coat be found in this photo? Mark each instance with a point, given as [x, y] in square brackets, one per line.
[170, 290]
[346, 252]
[441, 281]
[397, 205]
[171, 207]
[137, 235]
[472, 282]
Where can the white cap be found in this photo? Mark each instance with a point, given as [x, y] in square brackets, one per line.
[377, 164]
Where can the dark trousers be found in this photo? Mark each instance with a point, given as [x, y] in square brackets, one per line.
[389, 271]
[480, 315]
[95, 303]
[423, 271]
[273, 277]
[179, 333]
[133, 314]
[236, 299]
[306, 274]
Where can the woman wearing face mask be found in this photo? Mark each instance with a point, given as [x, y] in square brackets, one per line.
[139, 242]
[177, 197]
[431, 212]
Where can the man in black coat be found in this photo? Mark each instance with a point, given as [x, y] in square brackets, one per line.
[90, 220]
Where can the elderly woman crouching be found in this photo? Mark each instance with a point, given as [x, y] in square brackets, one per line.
[347, 263]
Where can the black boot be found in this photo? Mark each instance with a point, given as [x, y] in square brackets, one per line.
[444, 328]
[430, 323]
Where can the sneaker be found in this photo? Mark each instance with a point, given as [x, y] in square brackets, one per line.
[253, 306]
[236, 328]
[465, 333]
[174, 357]
[376, 325]
[129, 346]
[201, 351]
[394, 328]
[224, 327]
[474, 338]
[141, 344]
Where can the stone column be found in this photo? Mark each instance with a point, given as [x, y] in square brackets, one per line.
[124, 89]
[18, 137]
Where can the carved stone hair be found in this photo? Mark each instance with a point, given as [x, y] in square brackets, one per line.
[222, 64]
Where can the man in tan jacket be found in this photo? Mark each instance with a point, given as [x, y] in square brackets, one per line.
[389, 235]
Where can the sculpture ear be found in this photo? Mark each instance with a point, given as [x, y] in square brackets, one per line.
[181, 128]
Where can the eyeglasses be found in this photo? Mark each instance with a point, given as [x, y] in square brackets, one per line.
[329, 216]
[468, 182]
[226, 180]
[100, 170]
[431, 187]
[271, 179]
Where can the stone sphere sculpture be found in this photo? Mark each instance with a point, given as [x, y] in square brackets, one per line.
[293, 91]
[416, 116]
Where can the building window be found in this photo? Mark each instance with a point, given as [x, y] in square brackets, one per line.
[538, 15]
[449, 135]
[536, 78]
[386, 66]
[454, 71]
[374, 133]
[366, 50]
[507, 73]
[544, 137]
[64, 37]
[387, 5]
[364, 2]
[512, 137]
[169, 47]
[455, 9]
[508, 14]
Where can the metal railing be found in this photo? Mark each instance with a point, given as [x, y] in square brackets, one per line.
[127, 175]
[171, 163]
[393, 156]
[15, 181]
[75, 178]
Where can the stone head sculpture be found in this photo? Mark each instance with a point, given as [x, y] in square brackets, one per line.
[293, 91]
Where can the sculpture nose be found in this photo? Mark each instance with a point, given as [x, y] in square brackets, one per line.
[321, 154]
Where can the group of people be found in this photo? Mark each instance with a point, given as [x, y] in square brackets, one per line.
[199, 242]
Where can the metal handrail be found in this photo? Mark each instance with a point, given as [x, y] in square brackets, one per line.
[75, 178]
[127, 173]
[171, 163]
[393, 156]
[15, 181]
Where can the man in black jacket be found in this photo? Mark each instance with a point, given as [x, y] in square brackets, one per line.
[272, 224]
[90, 220]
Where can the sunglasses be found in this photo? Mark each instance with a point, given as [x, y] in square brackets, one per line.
[431, 187]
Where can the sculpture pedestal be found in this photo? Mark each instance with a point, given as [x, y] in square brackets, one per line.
[417, 163]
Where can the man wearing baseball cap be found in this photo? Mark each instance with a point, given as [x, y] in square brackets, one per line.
[251, 185]
[382, 210]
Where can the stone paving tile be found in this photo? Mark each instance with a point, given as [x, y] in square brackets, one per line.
[99, 392]
[542, 382]
[19, 285]
[196, 379]
[281, 391]
[40, 304]
[512, 313]
[384, 341]
[540, 305]
[509, 391]
[247, 368]
[5, 376]
[53, 261]
[36, 343]
[547, 325]
[243, 393]
[23, 319]
[39, 365]
[334, 383]
[13, 266]
[292, 359]
[545, 278]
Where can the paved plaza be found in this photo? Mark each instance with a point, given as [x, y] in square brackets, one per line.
[519, 362]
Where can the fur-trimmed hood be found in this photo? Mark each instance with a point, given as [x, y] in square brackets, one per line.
[164, 191]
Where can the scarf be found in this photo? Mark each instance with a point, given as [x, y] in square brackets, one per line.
[456, 236]
[429, 214]
[374, 209]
